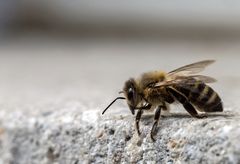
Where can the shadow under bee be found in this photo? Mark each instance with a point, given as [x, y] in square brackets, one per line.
[186, 115]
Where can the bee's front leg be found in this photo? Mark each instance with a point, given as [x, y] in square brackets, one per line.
[138, 117]
[156, 120]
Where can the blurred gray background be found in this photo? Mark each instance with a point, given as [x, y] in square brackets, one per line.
[83, 51]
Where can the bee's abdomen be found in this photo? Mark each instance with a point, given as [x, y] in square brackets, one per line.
[202, 96]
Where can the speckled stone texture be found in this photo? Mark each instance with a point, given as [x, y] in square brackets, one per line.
[50, 106]
[70, 136]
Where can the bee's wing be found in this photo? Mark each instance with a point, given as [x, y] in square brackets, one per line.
[185, 79]
[186, 74]
[191, 68]
[205, 79]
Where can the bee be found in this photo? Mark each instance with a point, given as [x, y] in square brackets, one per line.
[157, 89]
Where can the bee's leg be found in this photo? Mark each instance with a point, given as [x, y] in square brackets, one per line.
[156, 119]
[184, 101]
[138, 117]
[139, 114]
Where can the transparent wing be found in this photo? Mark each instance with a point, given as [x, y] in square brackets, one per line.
[186, 80]
[191, 68]
[186, 73]
[205, 79]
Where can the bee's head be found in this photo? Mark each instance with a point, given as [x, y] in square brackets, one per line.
[131, 94]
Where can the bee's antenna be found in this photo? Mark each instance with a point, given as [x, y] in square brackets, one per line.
[112, 103]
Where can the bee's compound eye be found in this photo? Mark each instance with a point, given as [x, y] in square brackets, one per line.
[130, 90]
[130, 93]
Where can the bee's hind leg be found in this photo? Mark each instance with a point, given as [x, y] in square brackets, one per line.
[156, 120]
[186, 104]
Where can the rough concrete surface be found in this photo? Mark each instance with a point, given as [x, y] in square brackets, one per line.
[52, 97]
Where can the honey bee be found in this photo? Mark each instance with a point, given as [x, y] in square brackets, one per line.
[157, 89]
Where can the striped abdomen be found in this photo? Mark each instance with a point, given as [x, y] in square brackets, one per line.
[200, 95]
